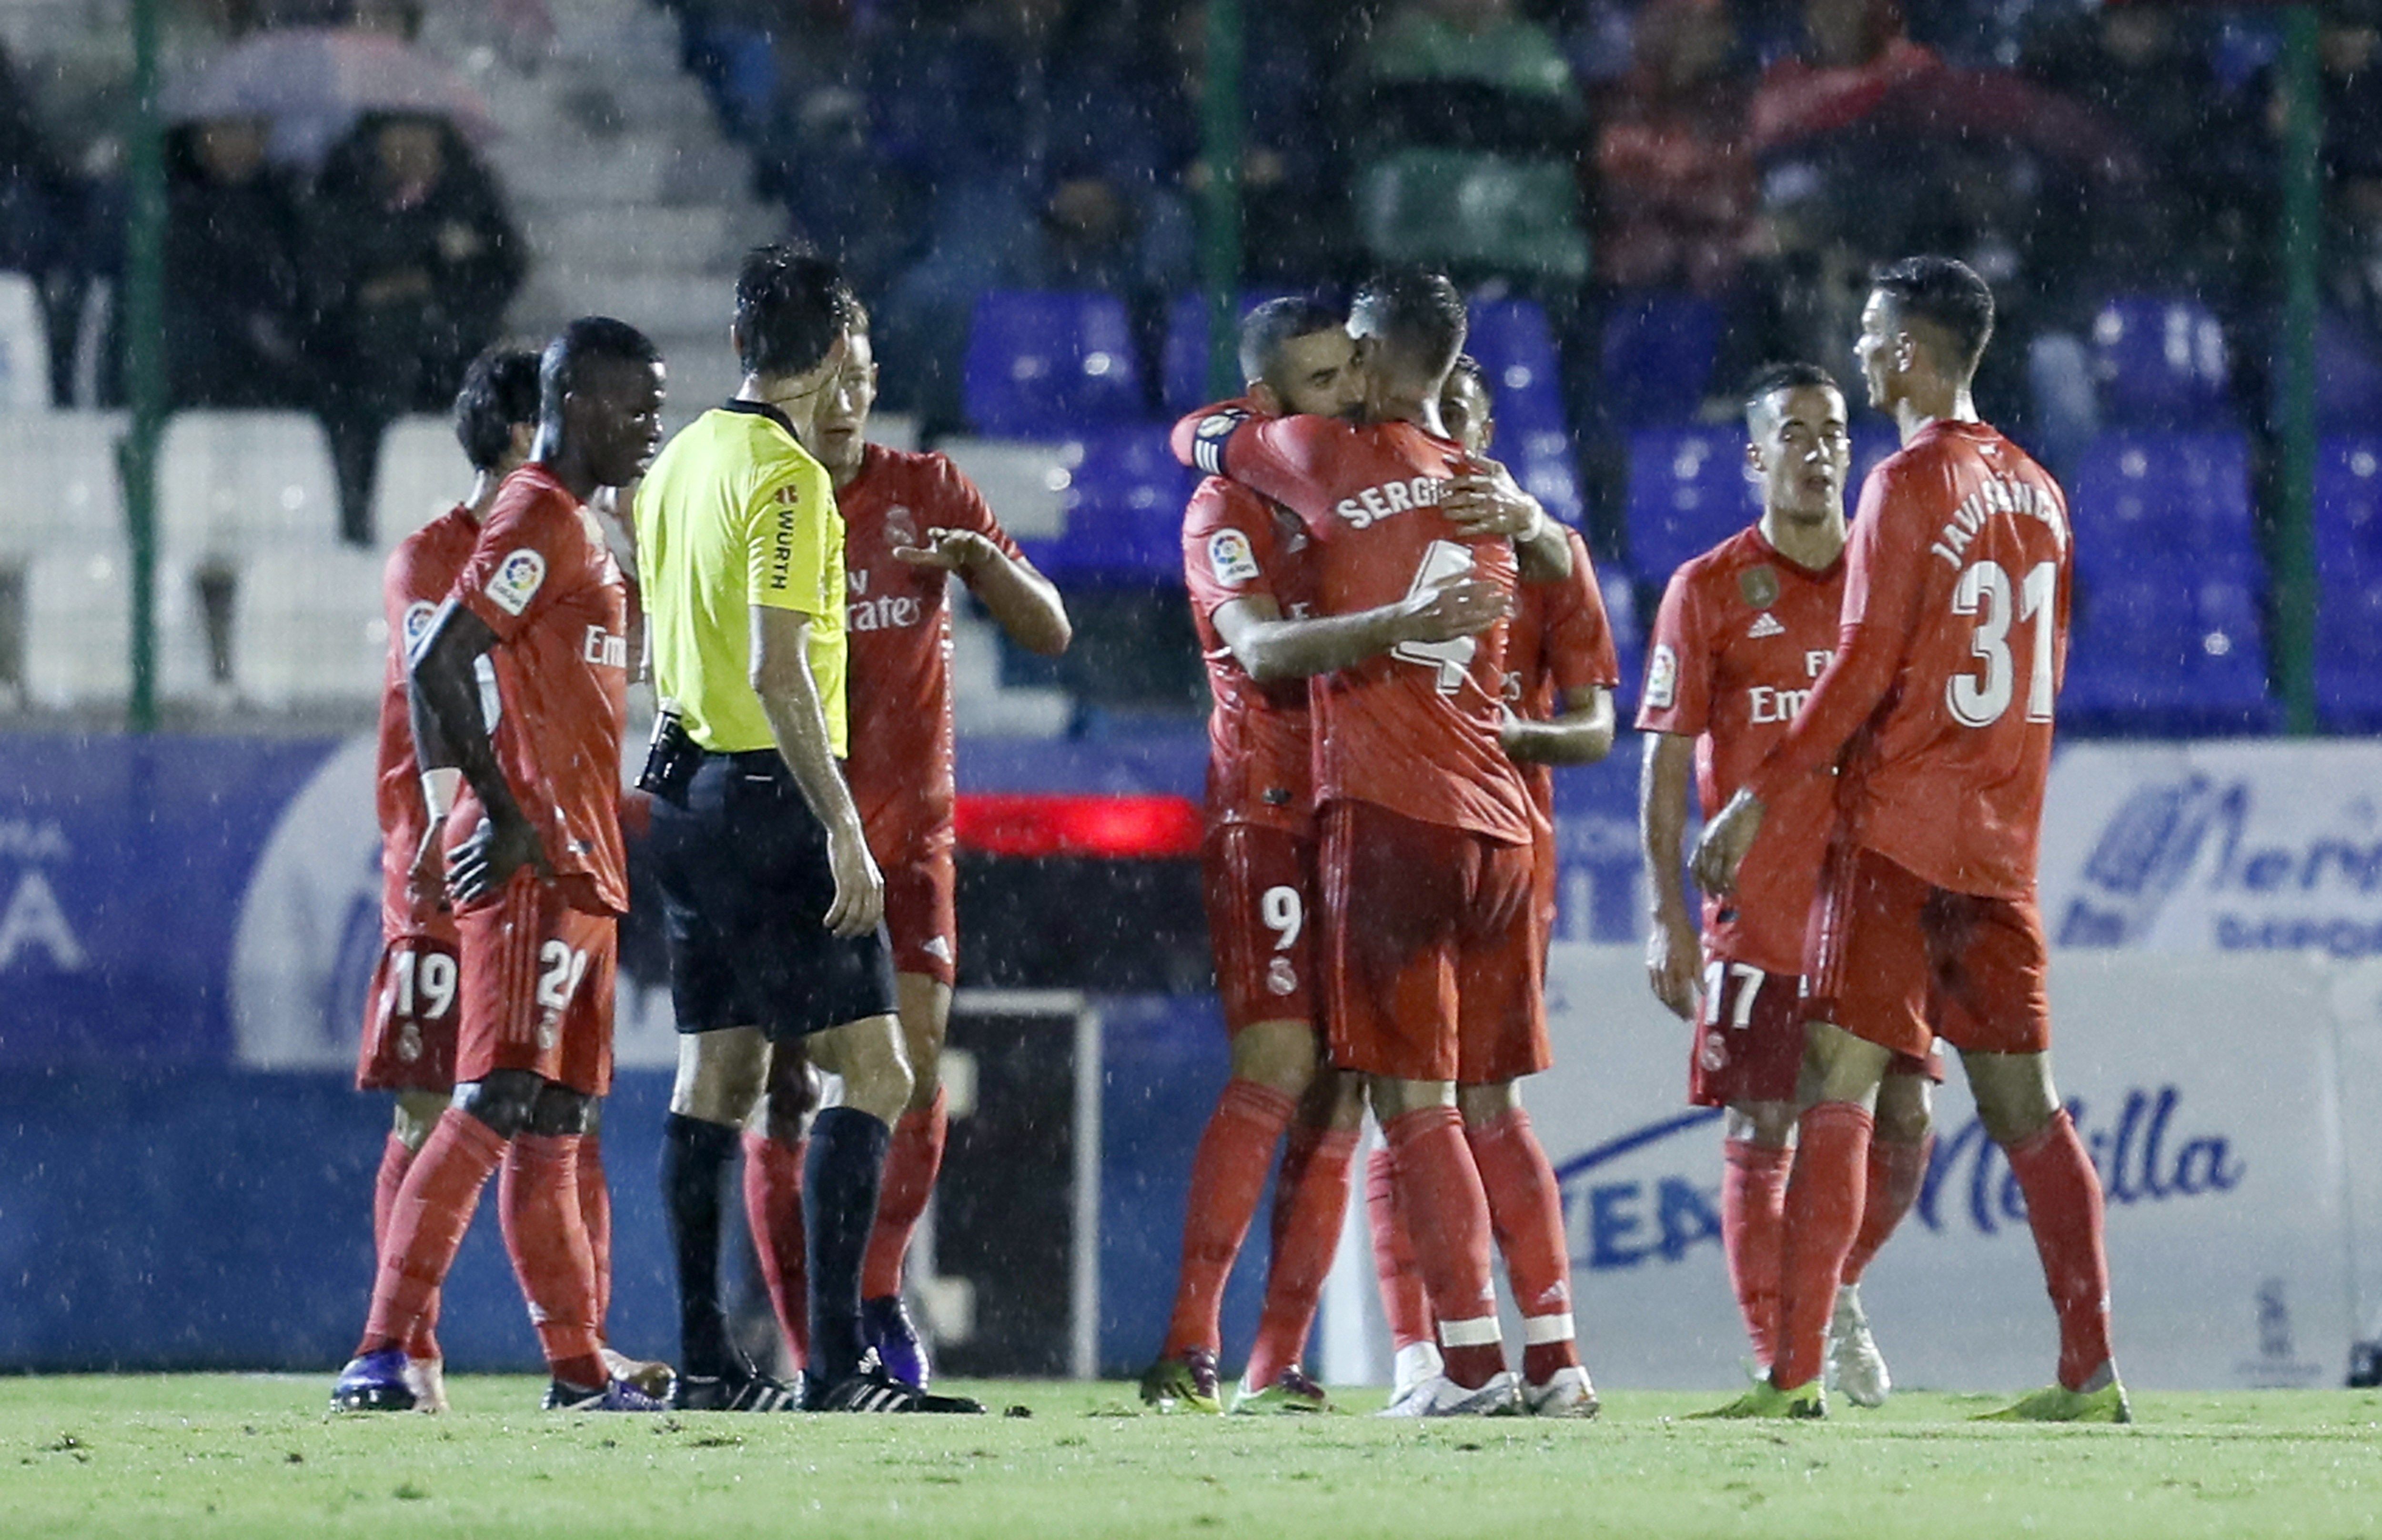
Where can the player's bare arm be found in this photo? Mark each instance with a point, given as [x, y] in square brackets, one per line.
[1721, 850]
[1270, 647]
[1580, 732]
[1673, 952]
[781, 677]
[1487, 500]
[445, 709]
[1024, 602]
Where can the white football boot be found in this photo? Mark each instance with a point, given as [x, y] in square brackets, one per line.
[1442, 1397]
[1855, 1366]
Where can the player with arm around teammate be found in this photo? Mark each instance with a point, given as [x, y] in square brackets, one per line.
[1743, 631]
[541, 880]
[1938, 706]
[912, 523]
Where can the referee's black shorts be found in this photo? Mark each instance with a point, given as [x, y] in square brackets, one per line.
[745, 883]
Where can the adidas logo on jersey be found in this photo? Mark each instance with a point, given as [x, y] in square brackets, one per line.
[1766, 625]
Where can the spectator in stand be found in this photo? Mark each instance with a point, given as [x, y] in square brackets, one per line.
[234, 296]
[1467, 107]
[1675, 156]
[2350, 52]
[49, 225]
[414, 258]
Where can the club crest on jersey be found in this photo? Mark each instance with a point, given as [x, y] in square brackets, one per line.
[517, 581]
[417, 622]
[1661, 677]
[1282, 977]
[1760, 586]
[901, 526]
[1765, 624]
[1231, 560]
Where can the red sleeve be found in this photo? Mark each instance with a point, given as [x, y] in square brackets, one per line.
[530, 541]
[1286, 458]
[1578, 636]
[1228, 547]
[1677, 698]
[1882, 588]
[959, 504]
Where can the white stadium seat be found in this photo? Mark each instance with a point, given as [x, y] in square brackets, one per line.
[77, 627]
[230, 482]
[60, 487]
[308, 629]
[423, 473]
[24, 346]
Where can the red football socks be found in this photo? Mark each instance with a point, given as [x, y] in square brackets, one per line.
[911, 1163]
[1526, 1215]
[1227, 1176]
[773, 1211]
[1897, 1170]
[595, 1215]
[1752, 1215]
[396, 1159]
[548, 1236]
[427, 1223]
[1824, 1214]
[1440, 1190]
[1404, 1301]
[1311, 1199]
[2064, 1208]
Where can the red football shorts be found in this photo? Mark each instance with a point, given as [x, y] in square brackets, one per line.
[1898, 961]
[1430, 940]
[922, 916]
[410, 1017]
[1748, 1045]
[1258, 883]
[537, 983]
[1490, 1052]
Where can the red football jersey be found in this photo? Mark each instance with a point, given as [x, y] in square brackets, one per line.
[542, 580]
[420, 573]
[898, 693]
[1741, 635]
[1414, 729]
[1952, 647]
[1237, 546]
[1561, 641]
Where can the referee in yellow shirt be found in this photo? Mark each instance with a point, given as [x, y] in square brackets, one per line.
[772, 904]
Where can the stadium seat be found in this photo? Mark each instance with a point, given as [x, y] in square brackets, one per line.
[1183, 366]
[2160, 363]
[423, 473]
[62, 487]
[24, 346]
[230, 482]
[2348, 655]
[79, 626]
[1687, 492]
[2170, 645]
[1025, 483]
[1628, 636]
[1049, 363]
[308, 629]
[1516, 350]
[1658, 355]
[2347, 377]
[2145, 495]
[1542, 460]
[2349, 509]
[1124, 511]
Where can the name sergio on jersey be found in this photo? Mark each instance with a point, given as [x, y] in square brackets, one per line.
[1769, 703]
[1376, 502]
[1996, 496]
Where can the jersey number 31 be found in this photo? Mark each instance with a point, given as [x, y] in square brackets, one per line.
[1978, 699]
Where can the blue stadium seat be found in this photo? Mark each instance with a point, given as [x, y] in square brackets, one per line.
[1516, 350]
[2348, 376]
[1628, 636]
[2349, 510]
[1658, 356]
[1183, 368]
[2137, 496]
[2349, 654]
[1124, 511]
[1687, 492]
[1050, 364]
[2160, 363]
[2170, 645]
[1540, 459]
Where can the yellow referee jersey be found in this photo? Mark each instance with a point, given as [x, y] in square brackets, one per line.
[735, 513]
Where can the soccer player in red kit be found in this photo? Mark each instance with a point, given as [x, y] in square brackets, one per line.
[1560, 671]
[1429, 920]
[1743, 631]
[1244, 563]
[911, 522]
[1936, 717]
[541, 880]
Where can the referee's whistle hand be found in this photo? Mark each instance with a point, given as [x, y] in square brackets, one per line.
[859, 887]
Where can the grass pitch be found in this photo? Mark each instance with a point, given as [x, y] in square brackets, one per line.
[238, 1455]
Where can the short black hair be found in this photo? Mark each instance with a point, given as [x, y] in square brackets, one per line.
[1265, 331]
[1772, 378]
[1467, 367]
[790, 306]
[1418, 312]
[1945, 293]
[499, 394]
[591, 339]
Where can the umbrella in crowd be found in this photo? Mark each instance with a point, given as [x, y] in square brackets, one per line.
[315, 82]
